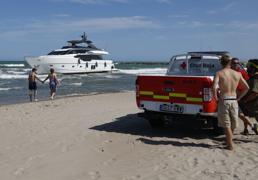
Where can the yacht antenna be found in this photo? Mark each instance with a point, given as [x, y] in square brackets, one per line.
[83, 40]
[84, 37]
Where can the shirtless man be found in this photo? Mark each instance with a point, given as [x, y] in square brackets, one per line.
[32, 84]
[225, 83]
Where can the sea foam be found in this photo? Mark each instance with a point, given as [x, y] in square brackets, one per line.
[144, 71]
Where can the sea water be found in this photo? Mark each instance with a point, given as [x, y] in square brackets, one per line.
[14, 83]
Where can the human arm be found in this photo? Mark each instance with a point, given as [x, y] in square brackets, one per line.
[251, 96]
[215, 86]
[57, 81]
[253, 92]
[36, 77]
[245, 87]
[46, 78]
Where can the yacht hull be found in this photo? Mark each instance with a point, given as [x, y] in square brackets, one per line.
[68, 64]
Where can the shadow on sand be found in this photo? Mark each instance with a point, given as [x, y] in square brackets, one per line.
[134, 125]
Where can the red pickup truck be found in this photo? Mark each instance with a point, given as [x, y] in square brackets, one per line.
[184, 92]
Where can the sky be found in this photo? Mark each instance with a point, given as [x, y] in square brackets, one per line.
[144, 30]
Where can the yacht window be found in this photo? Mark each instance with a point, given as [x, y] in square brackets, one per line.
[70, 52]
[90, 57]
[76, 51]
[105, 64]
[81, 51]
[87, 65]
[57, 53]
[96, 64]
[62, 65]
[73, 66]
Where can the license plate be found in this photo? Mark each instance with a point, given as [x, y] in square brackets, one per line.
[171, 108]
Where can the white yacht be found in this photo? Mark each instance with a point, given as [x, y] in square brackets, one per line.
[80, 56]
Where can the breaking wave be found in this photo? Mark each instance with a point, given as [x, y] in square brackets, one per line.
[12, 65]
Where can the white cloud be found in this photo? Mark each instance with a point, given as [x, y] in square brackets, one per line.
[190, 24]
[225, 8]
[229, 6]
[103, 23]
[178, 16]
[243, 25]
[88, 25]
[62, 15]
[164, 1]
[236, 26]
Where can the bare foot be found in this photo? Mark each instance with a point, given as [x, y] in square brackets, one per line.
[230, 148]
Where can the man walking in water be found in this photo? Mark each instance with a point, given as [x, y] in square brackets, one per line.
[32, 84]
[224, 90]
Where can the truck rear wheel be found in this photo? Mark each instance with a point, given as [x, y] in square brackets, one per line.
[217, 130]
[155, 119]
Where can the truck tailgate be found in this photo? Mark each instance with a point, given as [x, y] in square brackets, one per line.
[173, 89]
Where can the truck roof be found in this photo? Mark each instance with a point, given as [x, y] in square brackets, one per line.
[219, 53]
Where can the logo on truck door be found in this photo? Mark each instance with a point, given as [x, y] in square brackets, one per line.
[166, 89]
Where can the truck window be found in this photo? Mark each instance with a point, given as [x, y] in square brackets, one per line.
[195, 67]
[178, 67]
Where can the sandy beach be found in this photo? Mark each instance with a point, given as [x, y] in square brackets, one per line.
[101, 137]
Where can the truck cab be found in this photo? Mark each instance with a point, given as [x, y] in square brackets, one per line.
[185, 91]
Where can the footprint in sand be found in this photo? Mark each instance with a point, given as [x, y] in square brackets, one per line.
[95, 175]
[172, 156]
[27, 164]
[161, 167]
[223, 163]
[193, 162]
[110, 161]
[67, 148]
[138, 176]
[107, 141]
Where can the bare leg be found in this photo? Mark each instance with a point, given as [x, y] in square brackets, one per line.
[245, 120]
[52, 94]
[35, 95]
[30, 95]
[229, 136]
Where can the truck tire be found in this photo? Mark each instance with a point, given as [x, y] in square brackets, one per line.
[217, 130]
[155, 119]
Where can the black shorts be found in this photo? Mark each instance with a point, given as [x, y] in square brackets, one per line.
[249, 109]
[32, 86]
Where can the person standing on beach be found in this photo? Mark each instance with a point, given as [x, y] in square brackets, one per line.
[224, 90]
[235, 65]
[53, 82]
[33, 84]
[249, 103]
